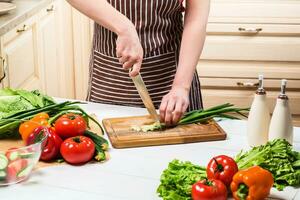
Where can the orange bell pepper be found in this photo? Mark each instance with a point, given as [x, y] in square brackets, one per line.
[253, 183]
[28, 127]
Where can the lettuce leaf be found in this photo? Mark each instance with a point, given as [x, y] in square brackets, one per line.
[177, 180]
[13, 101]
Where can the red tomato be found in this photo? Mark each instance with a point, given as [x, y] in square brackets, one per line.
[209, 189]
[77, 150]
[222, 168]
[52, 146]
[70, 125]
[14, 168]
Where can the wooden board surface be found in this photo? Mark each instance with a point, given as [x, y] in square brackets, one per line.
[9, 143]
[121, 135]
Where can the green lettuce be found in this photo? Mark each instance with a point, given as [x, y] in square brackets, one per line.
[177, 180]
[13, 101]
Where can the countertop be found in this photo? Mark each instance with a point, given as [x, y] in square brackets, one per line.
[25, 9]
[130, 174]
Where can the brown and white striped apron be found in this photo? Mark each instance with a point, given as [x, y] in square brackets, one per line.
[159, 26]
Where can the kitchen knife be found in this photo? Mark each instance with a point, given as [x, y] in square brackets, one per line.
[143, 92]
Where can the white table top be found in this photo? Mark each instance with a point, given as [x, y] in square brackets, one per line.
[131, 174]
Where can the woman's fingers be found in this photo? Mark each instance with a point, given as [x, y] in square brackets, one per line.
[177, 112]
[169, 112]
[163, 108]
[135, 69]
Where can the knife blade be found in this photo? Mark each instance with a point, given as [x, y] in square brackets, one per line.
[143, 92]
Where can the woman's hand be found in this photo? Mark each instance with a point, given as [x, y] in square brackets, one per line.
[130, 51]
[173, 105]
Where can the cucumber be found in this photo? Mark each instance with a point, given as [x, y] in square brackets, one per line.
[13, 156]
[25, 172]
[3, 162]
[27, 155]
[3, 175]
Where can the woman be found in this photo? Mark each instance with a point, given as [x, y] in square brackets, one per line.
[147, 36]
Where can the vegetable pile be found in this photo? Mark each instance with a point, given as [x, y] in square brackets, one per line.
[278, 157]
[199, 116]
[31, 115]
[276, 162]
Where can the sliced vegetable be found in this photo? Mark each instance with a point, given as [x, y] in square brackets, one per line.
[3, 162]
[70, 125]
[199, 116]
[209, 189]
[12, 155]
[101, 146]
[222, 168]
[14, 168]
[253, 183]
[77, 150]
[25, 172]
[3, 175]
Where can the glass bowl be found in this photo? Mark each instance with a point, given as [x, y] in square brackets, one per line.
[16, 164]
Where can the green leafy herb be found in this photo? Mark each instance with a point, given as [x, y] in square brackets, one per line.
[178, 178]
[278, 157]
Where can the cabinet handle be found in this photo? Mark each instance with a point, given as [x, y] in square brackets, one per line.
[50, 9]
[250, 30]
[247, 84]
[24, 28]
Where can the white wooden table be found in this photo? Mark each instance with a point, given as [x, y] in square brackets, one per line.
[131, 174]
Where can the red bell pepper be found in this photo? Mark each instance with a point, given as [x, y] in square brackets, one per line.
[52, 146]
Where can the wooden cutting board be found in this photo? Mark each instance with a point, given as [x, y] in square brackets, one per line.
[121, 135]
[8, 143]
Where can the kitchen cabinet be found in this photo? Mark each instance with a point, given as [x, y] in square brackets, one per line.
[248, 38]
[37, 54]
[83, 34]
[18, 49]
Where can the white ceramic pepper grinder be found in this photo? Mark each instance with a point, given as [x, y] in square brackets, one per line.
[259, 117]
[281, 125]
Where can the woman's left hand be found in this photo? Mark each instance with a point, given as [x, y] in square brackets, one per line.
[173, 105]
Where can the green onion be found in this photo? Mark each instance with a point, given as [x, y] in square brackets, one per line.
[9, 125]
[199, 116]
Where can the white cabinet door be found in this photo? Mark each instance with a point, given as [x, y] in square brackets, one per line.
[82, 39]
[48, 50]
[19, 50]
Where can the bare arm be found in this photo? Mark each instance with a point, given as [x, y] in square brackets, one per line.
[192, 41]
[128, 45]
[176, 102]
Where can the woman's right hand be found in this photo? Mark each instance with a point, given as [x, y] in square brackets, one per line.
[130, 51]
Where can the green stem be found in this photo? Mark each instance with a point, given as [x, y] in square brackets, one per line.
[242, 191]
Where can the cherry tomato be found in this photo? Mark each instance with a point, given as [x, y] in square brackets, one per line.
[77, 150]
[70, 125]
[222, 168]
[209, 189]
[52, 146]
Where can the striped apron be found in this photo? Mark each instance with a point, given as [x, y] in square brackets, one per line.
[159, 26]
